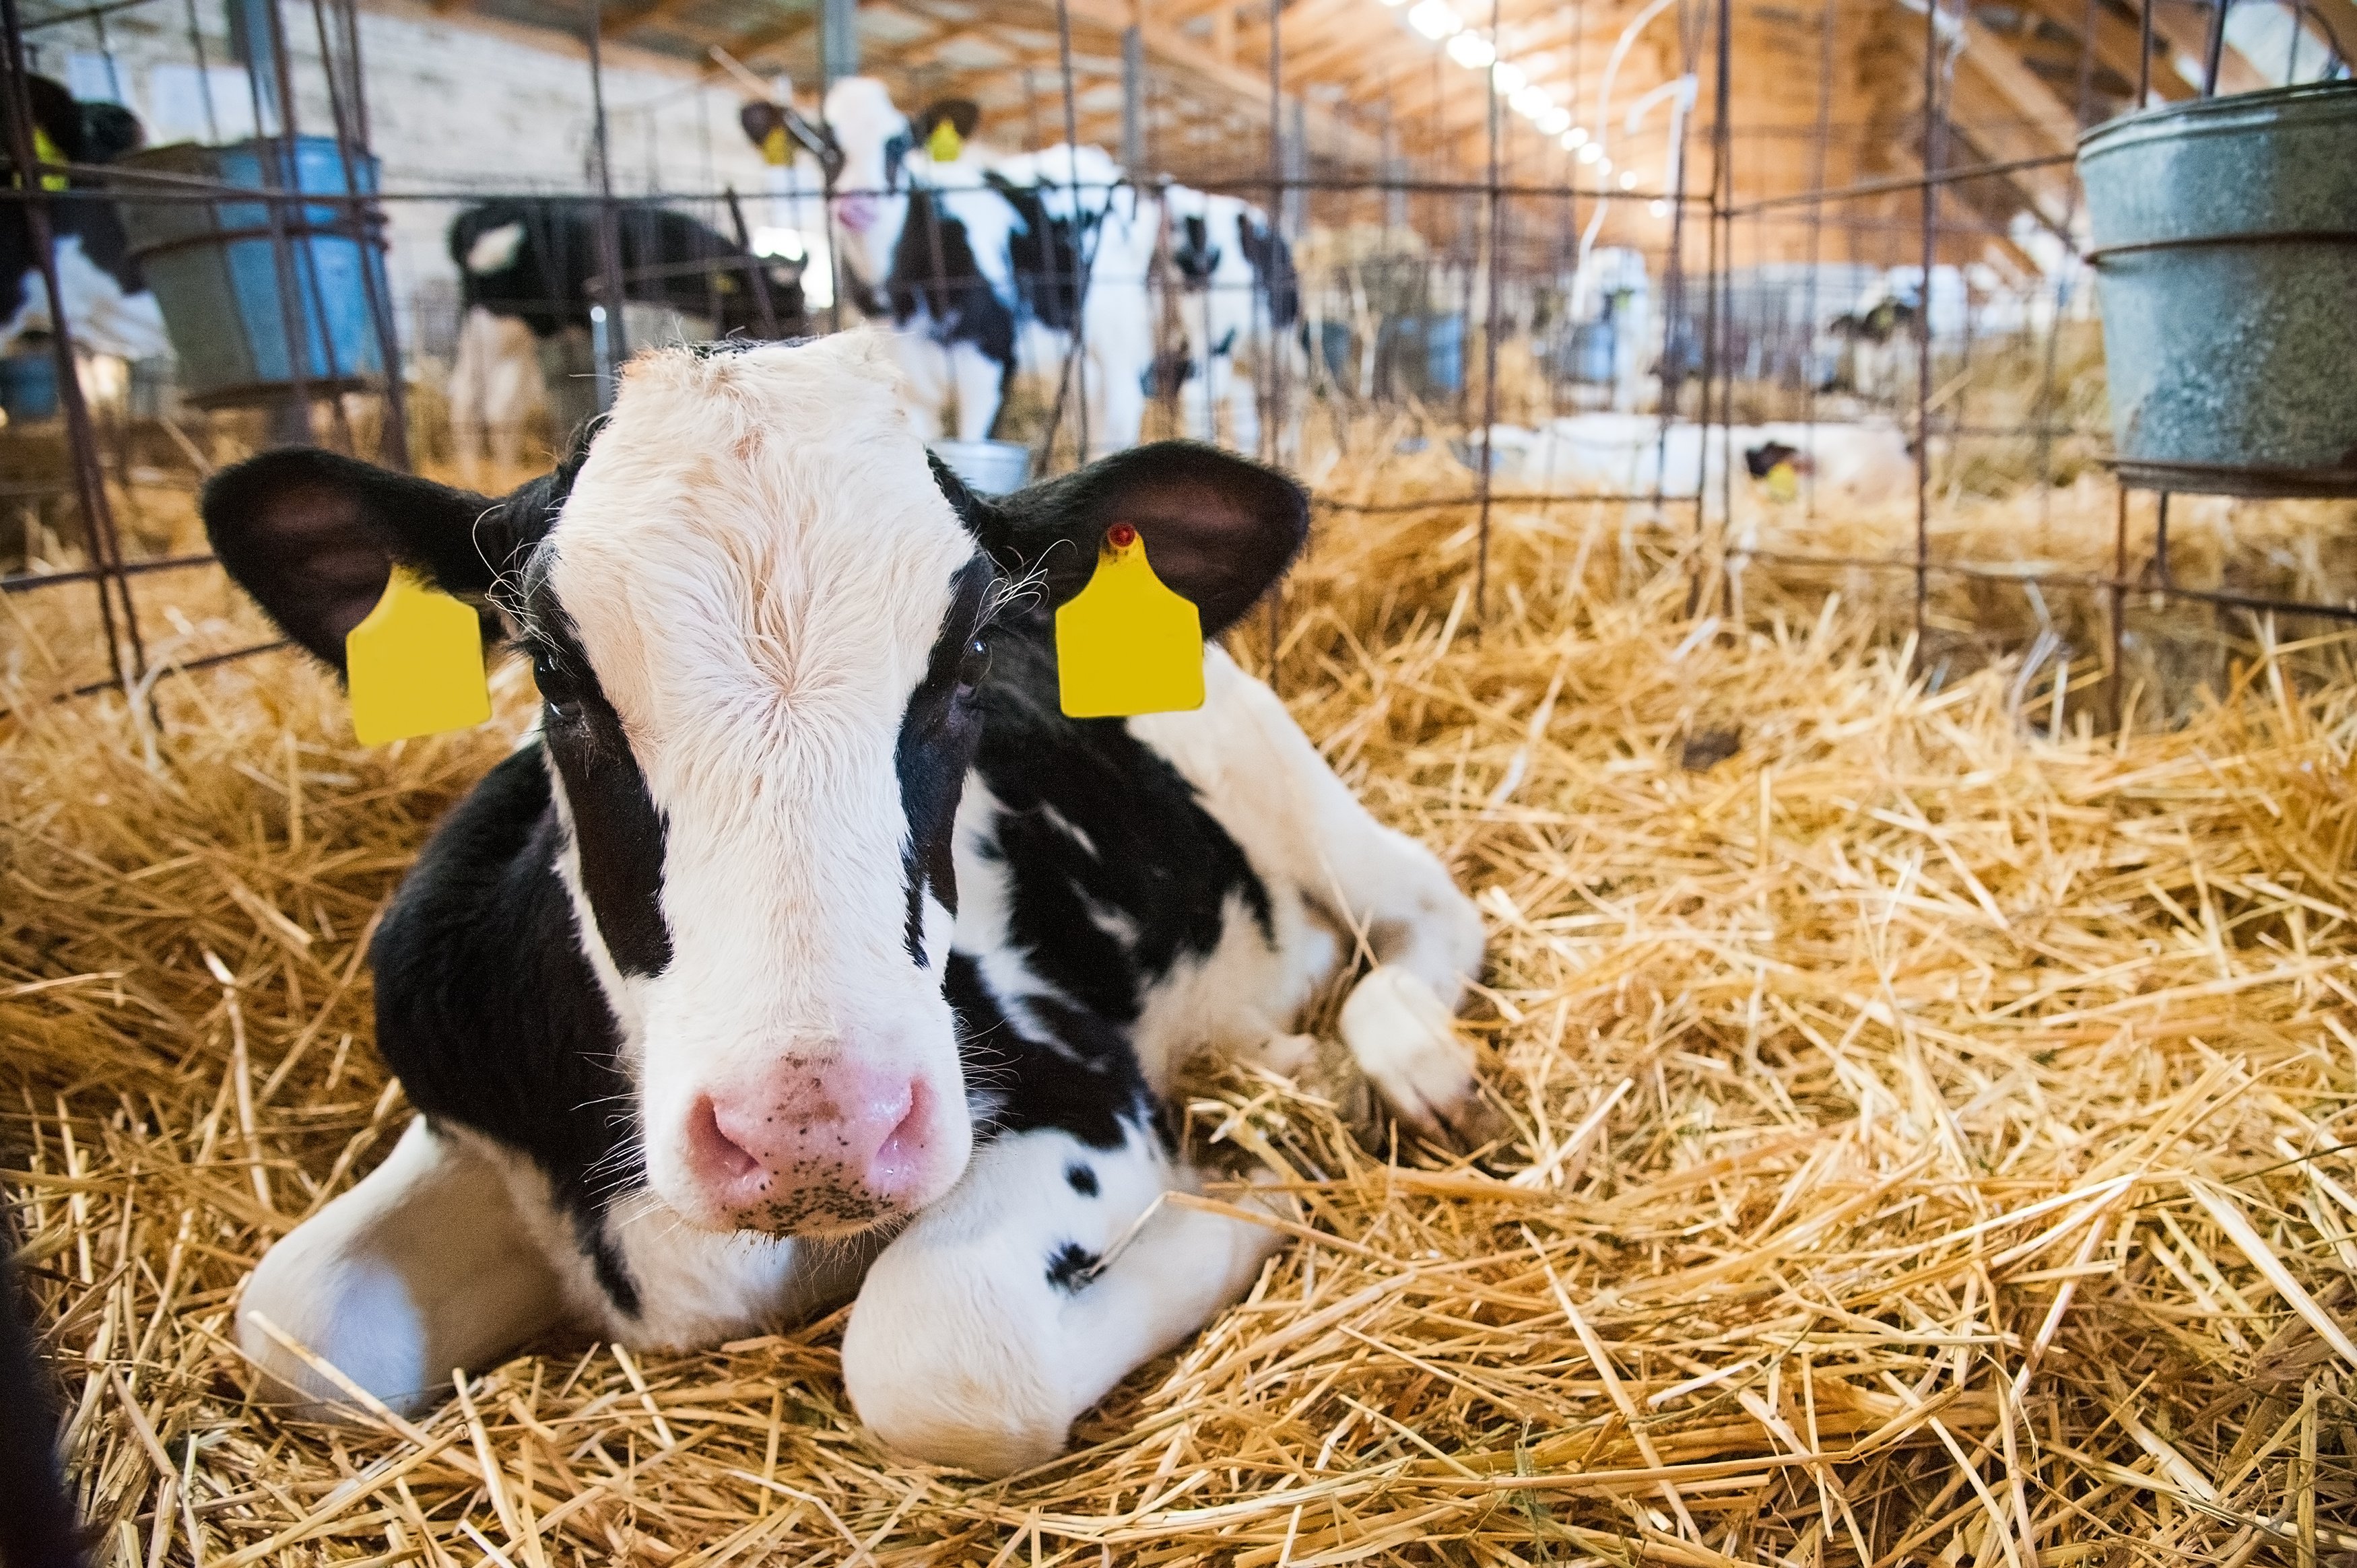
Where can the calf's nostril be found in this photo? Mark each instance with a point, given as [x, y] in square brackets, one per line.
[902, 1151]
[723, 1155]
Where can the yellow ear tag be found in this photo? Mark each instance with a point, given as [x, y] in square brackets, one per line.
[1783, 484]
[944, 144]
[1126, 644]
[47, 151]
[774, 151]
[415, 664]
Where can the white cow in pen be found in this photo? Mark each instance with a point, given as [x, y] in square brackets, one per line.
[808, 953]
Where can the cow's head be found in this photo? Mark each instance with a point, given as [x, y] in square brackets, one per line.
[884, 157]
[761, 621]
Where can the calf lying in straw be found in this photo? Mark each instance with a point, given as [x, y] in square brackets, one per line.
[809, 952]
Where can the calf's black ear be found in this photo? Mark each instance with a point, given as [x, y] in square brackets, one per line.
[1219, 530]
[313, 536]
[963, 113]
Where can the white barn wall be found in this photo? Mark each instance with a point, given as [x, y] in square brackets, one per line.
[454, 103]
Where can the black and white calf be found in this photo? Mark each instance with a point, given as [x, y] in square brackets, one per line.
[988, 265]
[108, 307]
[529, 269]
[808, 951]
[1241, 307]
[929, 247]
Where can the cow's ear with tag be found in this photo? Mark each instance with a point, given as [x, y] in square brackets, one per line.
[1219, 530]
[961, 114]
[315, 537]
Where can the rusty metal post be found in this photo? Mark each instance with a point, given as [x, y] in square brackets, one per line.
[363, 220]
[1272, 362]
[128, 664]
[1930, 206]
[614, 345]
[1495, 198]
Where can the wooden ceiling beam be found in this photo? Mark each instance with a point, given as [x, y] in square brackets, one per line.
[2116, 42]
[2185, 26]
[622, 19]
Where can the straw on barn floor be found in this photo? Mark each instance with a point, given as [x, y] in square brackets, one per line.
[1927, 1128]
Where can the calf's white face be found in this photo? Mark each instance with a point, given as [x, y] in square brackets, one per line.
[877, 143]
[742, 618]
[760, 619]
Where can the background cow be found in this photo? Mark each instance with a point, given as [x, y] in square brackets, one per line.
[1241, 305]
[108, 307]
[930, 246]
[809, 952]
[1873, 352]
[529, 272]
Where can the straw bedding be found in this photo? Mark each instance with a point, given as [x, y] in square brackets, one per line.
[1925, 1133]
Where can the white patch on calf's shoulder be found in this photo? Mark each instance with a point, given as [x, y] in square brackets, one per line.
[1331, 872]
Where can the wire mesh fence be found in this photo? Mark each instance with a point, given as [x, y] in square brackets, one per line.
[1744, 343]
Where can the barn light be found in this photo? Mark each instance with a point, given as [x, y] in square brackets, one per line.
[1575, 138]
[1657, 208]
[1532, 102]
[1553, 123]
[1590, 152]
[1628, 180]
[1390, 2]
[1511, 81]
[1434, 18]
[1472, 51]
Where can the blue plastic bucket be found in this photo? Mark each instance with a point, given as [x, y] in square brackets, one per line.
[213, 267]
[29, 386]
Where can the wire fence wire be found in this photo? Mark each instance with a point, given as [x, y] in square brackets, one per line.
[1494, 258]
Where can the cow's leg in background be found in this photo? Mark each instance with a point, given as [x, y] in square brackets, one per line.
[496, 386]
[1018, 1302]
[980, 381]
[429, 1264]
[1235, 390]
[925, 384]
[1116, 401]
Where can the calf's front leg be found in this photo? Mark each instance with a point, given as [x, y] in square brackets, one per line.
[424, 1266]
[1018, 1301]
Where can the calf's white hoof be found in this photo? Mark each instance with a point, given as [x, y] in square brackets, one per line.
[1399, 1032]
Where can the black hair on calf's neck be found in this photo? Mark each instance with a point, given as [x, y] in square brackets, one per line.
[37, 1523]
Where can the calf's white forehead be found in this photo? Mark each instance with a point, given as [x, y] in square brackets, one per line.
[757, 535]
[860, 112]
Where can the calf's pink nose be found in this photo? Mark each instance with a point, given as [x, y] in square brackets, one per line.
[812, 1148]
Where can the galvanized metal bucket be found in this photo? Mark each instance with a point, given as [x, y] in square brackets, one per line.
[213, 266]
[2225, 243]
[989, 468]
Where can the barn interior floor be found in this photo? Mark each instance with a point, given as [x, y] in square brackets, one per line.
[1926, 1115]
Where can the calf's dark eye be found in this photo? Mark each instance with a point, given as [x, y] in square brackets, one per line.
[974, 664]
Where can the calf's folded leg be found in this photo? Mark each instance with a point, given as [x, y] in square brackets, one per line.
[426, 1265]
[1018, 1301]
